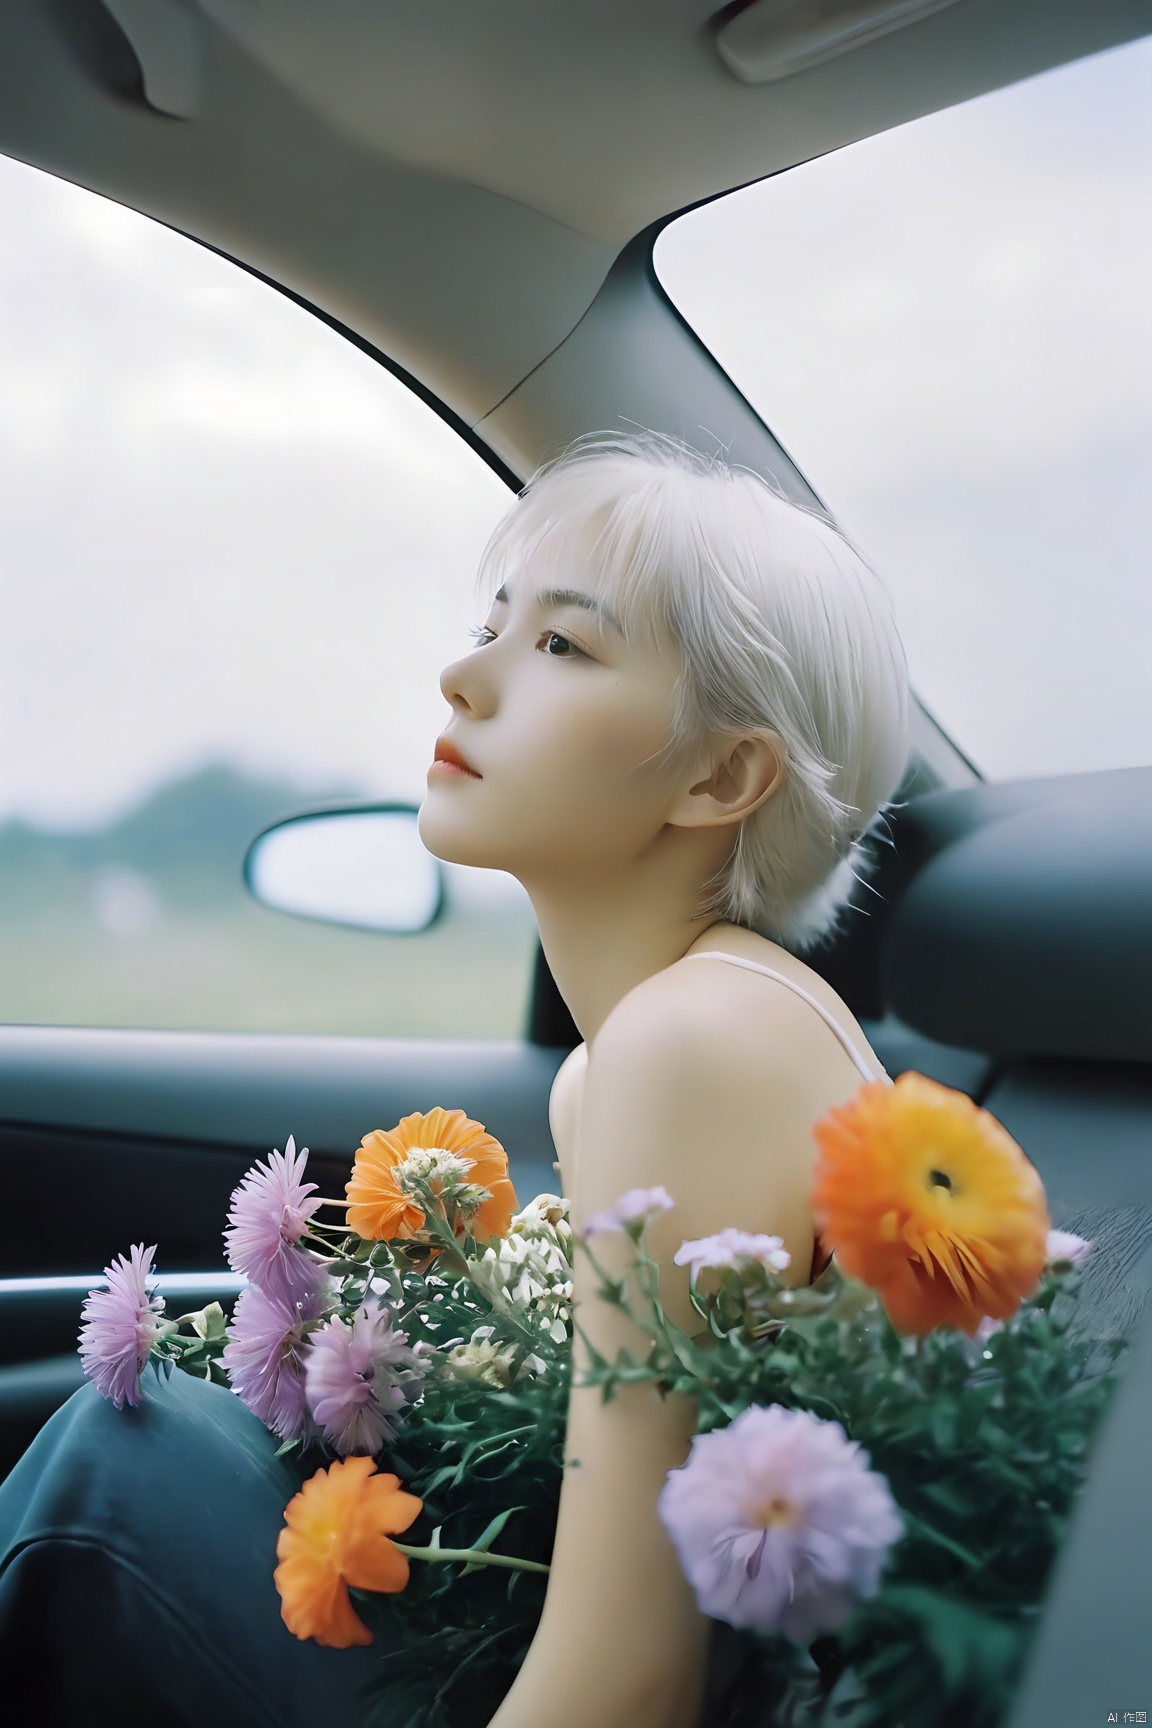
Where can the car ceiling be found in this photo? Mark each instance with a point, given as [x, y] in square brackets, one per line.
[452, 180]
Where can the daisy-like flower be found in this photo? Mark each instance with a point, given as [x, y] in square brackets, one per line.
[120, 1326]
[483, 1360]
[1065, 1247]
[265, 1354]
[929, 1201]
[357, 1375]
[268, 1215]
[778, 1522]
[546, 1217]
[335, 1533]
[631, 1211]
[443, 1153]
[731, 1249]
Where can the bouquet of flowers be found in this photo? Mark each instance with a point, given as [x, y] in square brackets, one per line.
[421, 1342]
[885, 1459]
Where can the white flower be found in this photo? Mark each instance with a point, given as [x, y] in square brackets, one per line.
[532, 1264]
[730, 1248]
[635, 1207]
[440, 1171]
[482, 1360]
[1064, 1246]
[547, 1216]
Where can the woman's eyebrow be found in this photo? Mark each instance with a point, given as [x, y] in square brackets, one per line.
[553, 598]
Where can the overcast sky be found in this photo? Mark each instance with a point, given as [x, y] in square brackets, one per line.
[227, 535]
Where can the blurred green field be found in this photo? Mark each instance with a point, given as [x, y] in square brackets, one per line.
[239, 968]
[146, 925]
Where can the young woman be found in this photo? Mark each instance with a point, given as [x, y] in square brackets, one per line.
[685, 705]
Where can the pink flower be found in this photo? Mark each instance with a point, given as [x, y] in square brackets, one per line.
[120, 1326]
[778, 1522]
[264, 1357]
[635, 1208]
[729, 1247]
[1063, 1245]
[269, 1214]
[358, 1375]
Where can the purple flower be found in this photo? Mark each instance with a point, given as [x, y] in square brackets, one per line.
[264, 1357]
[778, 1522]
[729, 1247]
[635, 1207]
[269, 1213]
[1063, 1245]
[357, 1375]
[120, 1326]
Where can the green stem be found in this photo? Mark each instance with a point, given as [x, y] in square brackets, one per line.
[318, 1230]
[469, 1557]
[451, 1252]
[605, 1280]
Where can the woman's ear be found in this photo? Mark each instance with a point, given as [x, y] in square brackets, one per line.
[744, 770]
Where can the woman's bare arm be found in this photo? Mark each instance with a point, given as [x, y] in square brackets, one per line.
[678, 1092]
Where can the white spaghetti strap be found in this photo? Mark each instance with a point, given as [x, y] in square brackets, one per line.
[868, 1070]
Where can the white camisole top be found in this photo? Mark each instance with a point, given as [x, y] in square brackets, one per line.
[866, 1068]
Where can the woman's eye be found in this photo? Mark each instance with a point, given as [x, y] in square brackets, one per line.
[559, 646]
[482, 635]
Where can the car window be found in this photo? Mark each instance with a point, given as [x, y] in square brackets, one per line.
[236, 554]
[947, 327]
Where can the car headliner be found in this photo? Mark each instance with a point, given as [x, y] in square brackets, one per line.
[452, 182]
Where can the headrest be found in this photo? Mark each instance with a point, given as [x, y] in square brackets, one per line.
[1028, 930]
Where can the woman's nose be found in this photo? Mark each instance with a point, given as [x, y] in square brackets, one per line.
[468, 687]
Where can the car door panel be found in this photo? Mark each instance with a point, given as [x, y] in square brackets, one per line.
[112, 1138]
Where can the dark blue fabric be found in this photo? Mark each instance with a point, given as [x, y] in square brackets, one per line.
[136, 1556]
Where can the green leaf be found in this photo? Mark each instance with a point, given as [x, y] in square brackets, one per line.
[917, 1527]
[972, 1648]
[493, 1529]
[211, 1322]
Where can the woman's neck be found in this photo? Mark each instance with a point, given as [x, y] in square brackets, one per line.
[601, 944]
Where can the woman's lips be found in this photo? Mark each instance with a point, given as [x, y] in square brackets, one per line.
[448, 761]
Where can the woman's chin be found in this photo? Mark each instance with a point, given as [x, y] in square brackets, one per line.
[452, 839]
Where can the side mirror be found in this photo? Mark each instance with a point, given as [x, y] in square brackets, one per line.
[366, 868]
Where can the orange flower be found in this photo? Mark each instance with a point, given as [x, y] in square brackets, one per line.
[336, 1533]
[455, 1149]
[927, 1199]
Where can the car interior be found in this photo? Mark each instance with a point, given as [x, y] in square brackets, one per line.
[471, 195]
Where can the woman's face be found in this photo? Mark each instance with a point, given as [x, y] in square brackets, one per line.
[551, 764]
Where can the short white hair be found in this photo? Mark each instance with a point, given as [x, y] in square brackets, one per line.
[783, 627]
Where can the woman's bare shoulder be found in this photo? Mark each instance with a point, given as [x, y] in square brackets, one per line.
[709, 1068]
[731, 1019]
[696, 1085]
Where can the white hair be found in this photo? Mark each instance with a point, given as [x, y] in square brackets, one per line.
[782, 626]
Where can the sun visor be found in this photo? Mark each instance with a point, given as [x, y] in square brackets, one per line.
[1031, 934]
